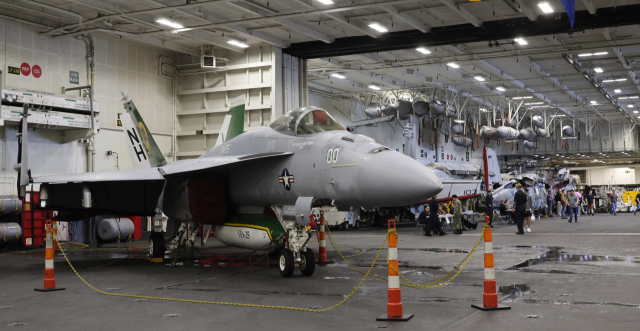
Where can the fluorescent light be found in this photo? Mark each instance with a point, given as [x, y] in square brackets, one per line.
[621, 80]
[630, 106]
[453, 65]
[593, 102]
[479, 78]
[337, 75]
[500, 88]
[617, 90]
[374, 87]
[533, 103]
[601, 53]
[634, 97]
[483, 110]
[635, 111]
[607, 81]
[423, 50]
[585, 54]
[546, 8]
[168, 23]
[520, 41]
[378, 27]
[598, 70]
[623, 98]
[237, 43]
[518, 98]
[326, 2]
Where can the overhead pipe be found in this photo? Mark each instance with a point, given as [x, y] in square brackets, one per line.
[174, 80]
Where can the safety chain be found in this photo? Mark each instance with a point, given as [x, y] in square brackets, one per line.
[367, 274]
[410, 283]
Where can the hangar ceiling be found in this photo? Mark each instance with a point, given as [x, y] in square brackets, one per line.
[477, 36]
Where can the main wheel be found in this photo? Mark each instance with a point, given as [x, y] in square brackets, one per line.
[307, 262]
[356, 224]
[156, 245]
[286, 262]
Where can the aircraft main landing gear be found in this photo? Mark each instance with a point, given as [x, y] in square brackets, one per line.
[156, 245]
[286, 262]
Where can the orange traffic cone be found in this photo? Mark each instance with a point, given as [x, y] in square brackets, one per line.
[49, 275]
[490, 296]
[394, 305]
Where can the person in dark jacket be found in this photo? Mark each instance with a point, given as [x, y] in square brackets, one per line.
[489, 202]
[590, 199]
[434, 221]
[558, 200]
[520, 202]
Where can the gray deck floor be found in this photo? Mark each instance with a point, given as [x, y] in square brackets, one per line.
[562, 276]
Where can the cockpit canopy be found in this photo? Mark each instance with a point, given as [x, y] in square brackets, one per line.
[305, 120]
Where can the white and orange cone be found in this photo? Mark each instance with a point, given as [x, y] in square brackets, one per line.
[490, 296]
[49, 275]
[394, 304]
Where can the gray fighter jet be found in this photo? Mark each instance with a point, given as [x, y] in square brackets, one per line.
[255, 188]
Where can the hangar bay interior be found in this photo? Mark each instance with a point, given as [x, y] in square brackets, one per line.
[402, 164]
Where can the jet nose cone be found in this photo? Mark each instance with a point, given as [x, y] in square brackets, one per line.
[390, 179]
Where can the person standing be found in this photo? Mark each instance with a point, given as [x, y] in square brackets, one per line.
[550, 204]
[637, 204]
[520, 202]
[572, 198]
[590, 199]
[614, 203]
[434, 220]
[558, 199]
[528, 211]
[457, 214]
[488, 201]
[565, 203]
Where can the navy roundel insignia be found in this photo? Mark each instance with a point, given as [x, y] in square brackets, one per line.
[286, 179]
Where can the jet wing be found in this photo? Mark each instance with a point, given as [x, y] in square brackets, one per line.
[121, 175]
[213, 164]
[126, 192]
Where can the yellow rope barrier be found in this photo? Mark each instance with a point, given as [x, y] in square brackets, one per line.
[367, 274]
[410, 283]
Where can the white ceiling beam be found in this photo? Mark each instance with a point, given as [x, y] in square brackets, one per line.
[306, 30]
[590, 7]
[355, 24]
[406, 18]
[462, 12]
[527, 11]
[609, 36]
[266, 12]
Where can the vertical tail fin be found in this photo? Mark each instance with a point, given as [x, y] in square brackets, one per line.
[233, 123]
[492, 167]
[144, 151]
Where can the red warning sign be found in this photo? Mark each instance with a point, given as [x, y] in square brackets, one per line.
[37, 72]
[25, 69]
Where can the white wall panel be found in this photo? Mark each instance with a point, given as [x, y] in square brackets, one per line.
[119, 65]
[204, 99]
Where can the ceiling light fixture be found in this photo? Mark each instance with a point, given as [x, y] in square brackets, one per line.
[378, 27]
[520, 41]
[423, 50]
[593, 102]
[546, 8]
[479, 78]
[500, 88]
[453, 65]
[635, 111]
[601, 53]
[237, 43]
[374, 87]
[630, 106]
[326, 2]
[169, 23]
[617, 90]
[598, 70]
[518, 98]
[337, 75]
